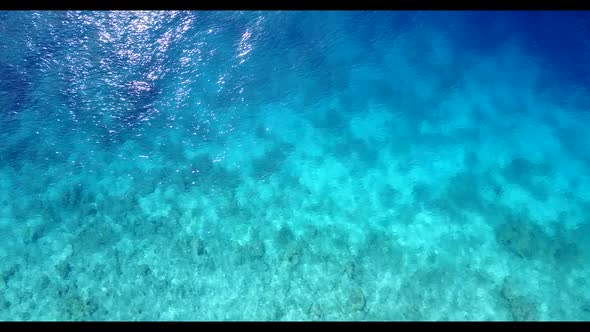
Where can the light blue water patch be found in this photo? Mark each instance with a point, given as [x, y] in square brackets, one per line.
[294, 166]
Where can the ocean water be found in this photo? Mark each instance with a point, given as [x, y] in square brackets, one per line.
[294, 165]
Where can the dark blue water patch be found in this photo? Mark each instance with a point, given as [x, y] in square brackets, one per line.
[14, 88]
[372, 25]
[128, 98]
[142, 96]
[560, 39]
[15, 153]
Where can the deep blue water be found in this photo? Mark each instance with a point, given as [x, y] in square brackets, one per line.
[294, 165]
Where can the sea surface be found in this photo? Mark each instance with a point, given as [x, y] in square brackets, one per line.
[228, 165]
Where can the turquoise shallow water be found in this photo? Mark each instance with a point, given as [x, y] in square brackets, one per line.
[294, 166]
